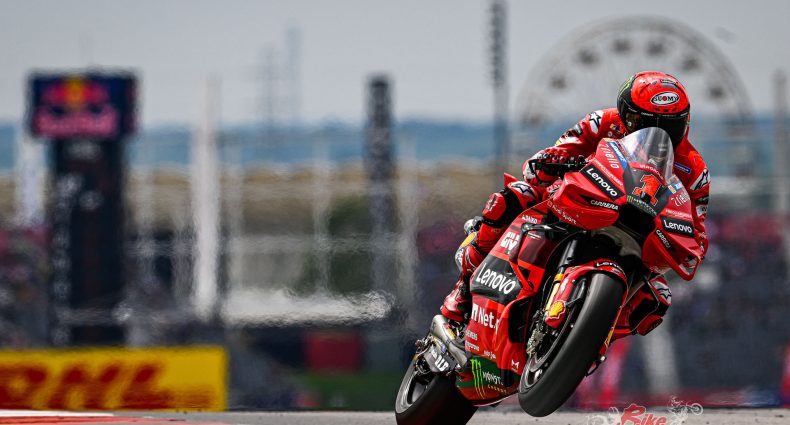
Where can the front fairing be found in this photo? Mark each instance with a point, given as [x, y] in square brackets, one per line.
[629, 184]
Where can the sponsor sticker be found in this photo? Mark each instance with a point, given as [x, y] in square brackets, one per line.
[440, 362]
[496, 280]
[610, 158]
[642, 205]
[680, 198]
[484, 317]
[602, 204]
[674, 225]
[611, 264]
[477, 374]
[682, 168]
[561, 212]
[679, 214]
[615, 147]
[664, 240]
[557, 308]
[492, 378]
[597, 177]
[675, 187]
[665, 98]
[509, 241]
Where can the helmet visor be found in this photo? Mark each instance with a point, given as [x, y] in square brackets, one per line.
[674, 125]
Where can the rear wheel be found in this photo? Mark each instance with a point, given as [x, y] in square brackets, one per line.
[426, 398]
[549, 381]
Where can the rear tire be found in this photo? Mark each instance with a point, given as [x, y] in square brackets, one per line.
[580, 350]
[438, 403]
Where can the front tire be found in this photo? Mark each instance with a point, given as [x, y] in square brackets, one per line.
[579, 351]
[433, 402]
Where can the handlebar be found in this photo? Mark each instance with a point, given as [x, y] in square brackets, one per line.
[551, 166]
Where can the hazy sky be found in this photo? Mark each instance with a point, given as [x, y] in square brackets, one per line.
[434, 50]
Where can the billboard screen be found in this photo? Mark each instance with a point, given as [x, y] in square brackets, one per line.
[69, 105]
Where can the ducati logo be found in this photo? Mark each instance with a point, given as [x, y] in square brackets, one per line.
[647, 191]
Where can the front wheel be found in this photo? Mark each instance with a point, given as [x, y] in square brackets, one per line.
[542, 393]
[426, 399]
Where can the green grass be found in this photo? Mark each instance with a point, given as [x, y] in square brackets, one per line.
[352, 391]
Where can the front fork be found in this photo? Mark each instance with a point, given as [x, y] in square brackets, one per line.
[552, 308]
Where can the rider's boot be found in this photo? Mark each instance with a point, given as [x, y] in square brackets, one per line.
[640, 314]
[458, 303]
[645, 310]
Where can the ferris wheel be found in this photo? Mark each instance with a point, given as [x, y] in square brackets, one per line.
[585, 70]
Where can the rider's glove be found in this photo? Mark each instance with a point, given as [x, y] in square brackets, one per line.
[538, 176]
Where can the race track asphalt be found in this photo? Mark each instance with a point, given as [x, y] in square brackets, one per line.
[707, 417]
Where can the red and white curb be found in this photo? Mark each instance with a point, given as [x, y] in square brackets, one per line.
[46, 417]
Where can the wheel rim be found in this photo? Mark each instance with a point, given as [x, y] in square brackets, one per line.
[537, 363]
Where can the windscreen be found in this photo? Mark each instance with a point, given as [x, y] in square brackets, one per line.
[650, 146]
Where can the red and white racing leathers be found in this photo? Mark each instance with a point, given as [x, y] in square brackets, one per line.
[645, 310]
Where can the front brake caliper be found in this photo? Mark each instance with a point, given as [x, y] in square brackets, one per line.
[537, 336]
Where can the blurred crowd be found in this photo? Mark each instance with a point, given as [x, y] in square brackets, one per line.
[24, 282]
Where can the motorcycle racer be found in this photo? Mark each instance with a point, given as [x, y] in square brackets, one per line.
[647, 99]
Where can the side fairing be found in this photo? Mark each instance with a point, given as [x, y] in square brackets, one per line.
[500, 286]
[672, 245]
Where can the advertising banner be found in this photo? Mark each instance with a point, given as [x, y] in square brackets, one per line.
[96, 105]
[188, 378]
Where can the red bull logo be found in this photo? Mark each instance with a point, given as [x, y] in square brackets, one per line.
[81, 106]
[75, 94]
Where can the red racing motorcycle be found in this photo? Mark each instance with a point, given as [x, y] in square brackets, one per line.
[546, 299]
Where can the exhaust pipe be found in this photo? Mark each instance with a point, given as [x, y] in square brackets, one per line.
[442, 331]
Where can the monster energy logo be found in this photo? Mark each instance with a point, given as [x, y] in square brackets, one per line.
[625, 85]
[477, 374]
